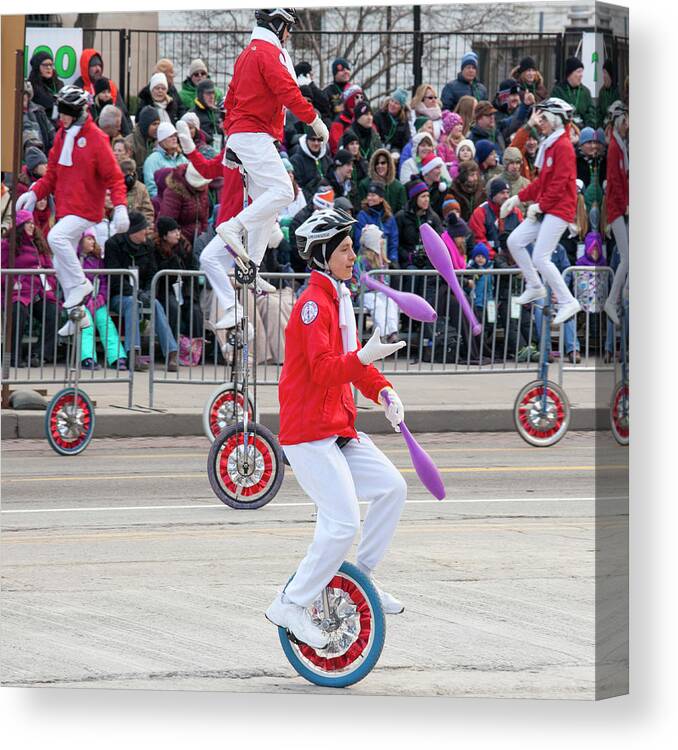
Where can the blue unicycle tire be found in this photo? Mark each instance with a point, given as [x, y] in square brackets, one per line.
[356, 643]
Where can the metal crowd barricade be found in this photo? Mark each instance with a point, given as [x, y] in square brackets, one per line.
[35, 328]
[194, 320]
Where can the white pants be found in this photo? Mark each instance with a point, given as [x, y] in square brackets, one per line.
[384, 312]
[335, 479]
[216, 263]
[545, 235]
[269, 187]
[621, 237]
[63, 240]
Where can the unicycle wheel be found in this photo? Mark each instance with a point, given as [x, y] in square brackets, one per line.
[537, 425]
[69, 423]
[619, 413]
[356, 627]
[245, 478]
[224, 408]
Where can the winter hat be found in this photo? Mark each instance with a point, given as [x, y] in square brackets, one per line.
[450, 204]
[146, 118]
[512, 155]
[483, 108]
[340, 61]
[165, 225]
[194, 178]
[456, 226]
[192, 119]
[195, 66]
[342, 157]
[22, 216]
[600, 137]
[586, 136]
[470, 58]
[480, 249]
[34, 157]
[158, 79]
[420, 121]
[302, 68]
[350, 91]
[400, 96]
[96, 59]
[483, 149]
[137, 222]
[418, 138]
[469, 144]
[371, 238]
[39, 58]
[361, 108]
[572, 64]
[323, 196]
[450, 119]
[164, 66]
[496, 186]
[377, 187]
[430, 162]
[102, 84]
[204, 87]
[415, 187]
[348, 137]
[165, 130]
[527, 63]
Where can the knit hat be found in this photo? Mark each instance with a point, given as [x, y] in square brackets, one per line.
[377, 187]
[195, 66]
[586, 136]
[164, 66]
[469, 144]
[450, 119]
[302, 68]
[600, 137]
[401, 96]
[418, 138]
[527, 63]
[572, 64]
[456, 226]
[340, 61]
[430, 162]
[95, 60]
[158, 79]
[415, 187]
[102, 84]
[39, 58]
[344, 203]
[342, 157]
[348, 136]
[361, 108]
[483, 149]
[506, 88]
[34, 157]
[137, 222]
[165, 225]
[146, 118]
[350, 91]
[483, 108]
[480, 249]
[512, 155]
[496, 186]
[371, 238]
[194, 178]
[192, 119]
[450, 203]
[420, 121]
[165, 130]
[28, 89]
[22, 216]
[323, 196]
[470, 58]
[204, 86]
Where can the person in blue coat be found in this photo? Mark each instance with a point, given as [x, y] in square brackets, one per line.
[376, 210]
[465, 84]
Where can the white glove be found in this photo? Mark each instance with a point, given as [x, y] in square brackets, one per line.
[320, 129]
[184, 135]
[374, 349]
[27, 201]
[120, 219]
[508, 205]
[394, 410]
[533, 211]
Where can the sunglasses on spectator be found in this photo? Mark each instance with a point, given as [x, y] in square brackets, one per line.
[381, 161]
[313, 138]
[200, 73]
[430, 96]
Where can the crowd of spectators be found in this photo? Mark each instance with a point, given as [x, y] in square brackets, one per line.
[448, 159]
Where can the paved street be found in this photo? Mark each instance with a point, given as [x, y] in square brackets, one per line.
[121, 569]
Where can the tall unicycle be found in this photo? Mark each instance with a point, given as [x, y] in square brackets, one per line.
[245, 465]
[226, 405]
[619, 405]
[349, 610]
[541, 411]
[69, 420]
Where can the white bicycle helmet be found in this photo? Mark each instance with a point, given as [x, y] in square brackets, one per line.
[616, 110]
[72, 100]
[557, 107]
[276, 19]
[320, 228]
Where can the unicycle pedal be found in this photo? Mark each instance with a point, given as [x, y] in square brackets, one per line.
[245, 277]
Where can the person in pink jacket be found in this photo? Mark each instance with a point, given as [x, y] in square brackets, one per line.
[80, 168]
[263, 85]
[554, 205]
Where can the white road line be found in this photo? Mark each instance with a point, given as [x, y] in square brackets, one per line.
[214, 506]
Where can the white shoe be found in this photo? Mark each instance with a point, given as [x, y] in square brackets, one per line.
[230, 318]
[77, 295]
[71, 326]
[296, 619]
[566, 311]
[611, 311]
[530, 294]
[263, 287]
[390, 604]
[232, 238]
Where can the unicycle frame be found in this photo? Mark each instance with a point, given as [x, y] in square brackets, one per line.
[543, 354]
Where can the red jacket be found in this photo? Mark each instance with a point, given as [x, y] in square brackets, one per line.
[617, 189]
[479, 225]
[315, 384]
[555, 187]
[261, 86]
[230, 199]
[81, 188]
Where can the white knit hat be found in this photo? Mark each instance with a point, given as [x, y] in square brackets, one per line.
[469, 144]
[371, 238]
[156, 80]
[165, 130]
[192, 119]
[195, 66]
[419, 137]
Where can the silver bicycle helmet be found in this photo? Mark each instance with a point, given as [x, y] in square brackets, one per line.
[558, 107]
[72, 100]
[320, 228]
[276, 19]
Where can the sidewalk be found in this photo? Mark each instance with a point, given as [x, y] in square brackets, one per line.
[473, 402]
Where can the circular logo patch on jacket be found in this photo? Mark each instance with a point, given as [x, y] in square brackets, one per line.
[549, 161]
[309, 312]
[82, 142]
